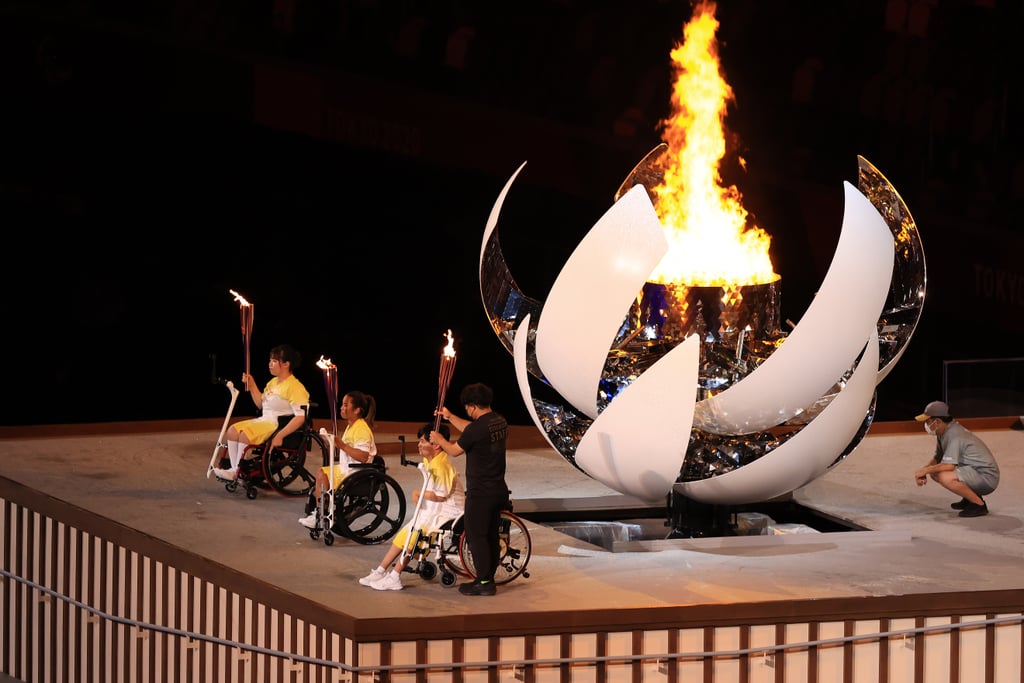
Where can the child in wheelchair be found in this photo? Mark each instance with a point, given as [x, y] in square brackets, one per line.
[441, 500]
[354, 445]
[283, 395]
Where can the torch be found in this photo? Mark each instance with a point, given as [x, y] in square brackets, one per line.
[445, 376]
[246, 310]
[331, 386]
[444, 379]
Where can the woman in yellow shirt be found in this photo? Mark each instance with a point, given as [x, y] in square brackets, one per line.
[284, 395]
[355, 444]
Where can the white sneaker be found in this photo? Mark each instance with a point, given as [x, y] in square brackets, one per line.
[389, 582]
[309, 521]
[224, 474]
[377, 573]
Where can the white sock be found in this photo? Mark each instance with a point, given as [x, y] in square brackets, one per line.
[234, 454]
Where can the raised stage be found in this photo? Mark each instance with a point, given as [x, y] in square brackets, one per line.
[119, 552]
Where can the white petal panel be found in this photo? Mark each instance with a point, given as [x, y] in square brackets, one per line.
[805, 456]
[592, 294]
[636, 445]
[523, 376]
[828, 337]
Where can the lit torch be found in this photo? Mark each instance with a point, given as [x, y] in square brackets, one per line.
[444, 378]
[246, 310]
[331, 386]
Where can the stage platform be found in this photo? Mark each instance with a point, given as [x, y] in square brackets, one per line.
[148, 481]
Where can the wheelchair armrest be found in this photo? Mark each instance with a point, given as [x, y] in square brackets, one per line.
[376, 462]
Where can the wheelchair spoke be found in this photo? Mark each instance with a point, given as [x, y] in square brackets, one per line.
[285, 468]
[450, 549]
[516, 548]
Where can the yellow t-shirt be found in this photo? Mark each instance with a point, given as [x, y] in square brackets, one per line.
[357, 435]
[431, 515]
[280, 398]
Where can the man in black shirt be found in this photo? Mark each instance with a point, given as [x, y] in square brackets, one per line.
[484, 438]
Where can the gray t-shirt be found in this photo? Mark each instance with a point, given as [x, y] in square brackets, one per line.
[975, 464]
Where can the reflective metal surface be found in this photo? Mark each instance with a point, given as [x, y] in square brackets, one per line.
[903, 307]
[742, 391]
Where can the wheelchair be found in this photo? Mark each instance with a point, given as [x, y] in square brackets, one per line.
[447, 553]
[368, 506]
[283, 469]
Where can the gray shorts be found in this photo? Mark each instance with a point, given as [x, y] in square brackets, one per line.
[980, 482]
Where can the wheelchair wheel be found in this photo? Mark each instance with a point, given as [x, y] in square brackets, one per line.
[284, 469]
[516, 547]
[369, 507]
[250, 473]
[450, 559]
[427, 570]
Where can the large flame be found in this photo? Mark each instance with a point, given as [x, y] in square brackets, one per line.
[710, 242]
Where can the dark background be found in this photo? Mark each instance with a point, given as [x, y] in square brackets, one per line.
[335, 162]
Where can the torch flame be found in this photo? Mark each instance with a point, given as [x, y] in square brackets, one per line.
[239, 298]
[706, 225]
[331, 386]
[444, 377]
[449, 350]
[247, 311]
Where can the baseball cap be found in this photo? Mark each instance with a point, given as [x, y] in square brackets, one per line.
[933, 409]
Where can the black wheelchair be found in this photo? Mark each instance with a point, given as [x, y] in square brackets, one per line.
[446, 552]
[368, 506]
[283, 469]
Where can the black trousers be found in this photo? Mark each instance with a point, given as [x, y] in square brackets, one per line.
[481, 522]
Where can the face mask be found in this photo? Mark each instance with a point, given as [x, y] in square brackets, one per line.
[928, 428]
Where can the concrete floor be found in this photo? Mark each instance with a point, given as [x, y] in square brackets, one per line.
[156, 482]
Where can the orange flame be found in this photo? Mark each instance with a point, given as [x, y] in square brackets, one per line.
[325, 364]
[444, 377]
[706, 225]
[247, 311]
[449, 350]
[239, 298]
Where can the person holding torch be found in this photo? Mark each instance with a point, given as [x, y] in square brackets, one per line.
[440, 501]
[283, 395]
[355, 444]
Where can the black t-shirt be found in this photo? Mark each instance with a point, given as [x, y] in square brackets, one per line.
[484, 441]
